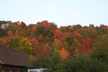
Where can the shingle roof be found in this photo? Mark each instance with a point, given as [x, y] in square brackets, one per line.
[12, 57]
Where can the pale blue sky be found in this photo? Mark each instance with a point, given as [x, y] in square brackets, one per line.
[62, 12]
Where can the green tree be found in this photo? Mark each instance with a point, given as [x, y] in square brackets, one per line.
[21, 44]
[101, 48]
[2, 33]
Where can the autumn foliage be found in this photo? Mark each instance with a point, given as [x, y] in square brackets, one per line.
[64, 54]
[40, 39]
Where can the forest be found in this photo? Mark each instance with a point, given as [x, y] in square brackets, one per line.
[72, 48]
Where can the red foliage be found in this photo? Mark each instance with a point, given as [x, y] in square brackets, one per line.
[86, 46]
[45, 24]
[34, 40]
[41, 51]
[77, 34]
[10, 33]
[58, 34]
[45, 51]
[33, 29]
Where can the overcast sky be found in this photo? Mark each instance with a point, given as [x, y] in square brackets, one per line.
[61, 12]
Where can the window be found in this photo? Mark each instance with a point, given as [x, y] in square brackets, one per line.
[37, 70]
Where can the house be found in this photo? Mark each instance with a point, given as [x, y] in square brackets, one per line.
[4, 24]
[12, 60]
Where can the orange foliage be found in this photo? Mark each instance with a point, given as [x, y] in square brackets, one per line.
[58, 34]
[33, 29]
[64, 54]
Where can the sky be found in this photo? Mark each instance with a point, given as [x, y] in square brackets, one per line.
[61, 12]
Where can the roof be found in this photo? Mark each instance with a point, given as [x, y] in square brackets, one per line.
[12, 57]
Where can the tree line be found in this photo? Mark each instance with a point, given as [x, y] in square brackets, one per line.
[72, 48]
